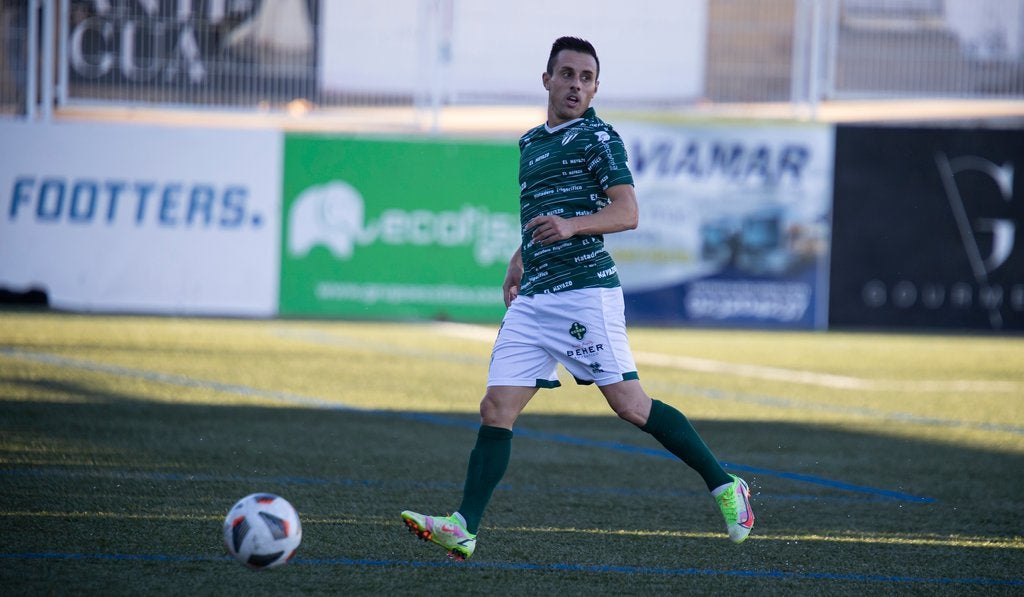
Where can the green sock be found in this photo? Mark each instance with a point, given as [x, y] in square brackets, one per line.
[487, 464]
[674, 431]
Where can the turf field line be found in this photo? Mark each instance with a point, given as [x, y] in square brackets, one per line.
[849, 537]
[533, 567]
[406, 484]
[481, 333]
[319, 337]
[441, 420]
[827, 380]
[879, 538]
[175, 380]
[805, 406]
[661, 453]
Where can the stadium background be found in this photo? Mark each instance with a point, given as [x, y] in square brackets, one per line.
[807, 165]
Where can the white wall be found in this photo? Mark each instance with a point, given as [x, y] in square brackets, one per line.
[650, 50]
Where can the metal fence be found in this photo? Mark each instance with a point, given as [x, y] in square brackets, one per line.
[238, 54]
[262, 54]
[905, 48]
[14, 58]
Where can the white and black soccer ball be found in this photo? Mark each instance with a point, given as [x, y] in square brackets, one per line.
[262, 530]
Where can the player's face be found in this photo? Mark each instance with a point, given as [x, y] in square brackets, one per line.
[571, 86]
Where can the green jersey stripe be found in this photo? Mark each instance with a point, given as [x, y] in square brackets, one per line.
[565, 171]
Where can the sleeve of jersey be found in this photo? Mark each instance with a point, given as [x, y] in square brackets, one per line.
[608, 162]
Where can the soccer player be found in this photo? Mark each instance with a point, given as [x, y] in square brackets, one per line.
[565, 304]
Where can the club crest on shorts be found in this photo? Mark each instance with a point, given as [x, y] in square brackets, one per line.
[577, 330]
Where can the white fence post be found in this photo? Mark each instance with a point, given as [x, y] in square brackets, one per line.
[798, 67]
[832, 46]
[62, 52]
[47, 66]
[817, 51]
[32, 59]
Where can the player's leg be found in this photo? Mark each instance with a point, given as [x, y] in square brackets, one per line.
[518, 368]
[488, 461]
[668, 426]
[605, 345]
[675, 432]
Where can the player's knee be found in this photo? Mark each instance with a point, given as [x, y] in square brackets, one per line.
[632, 413]
[629, 402]
[497, 410]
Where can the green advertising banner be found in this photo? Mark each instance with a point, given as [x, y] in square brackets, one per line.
[412, 229]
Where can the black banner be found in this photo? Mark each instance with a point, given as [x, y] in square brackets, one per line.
[193, 45]
[928, 229]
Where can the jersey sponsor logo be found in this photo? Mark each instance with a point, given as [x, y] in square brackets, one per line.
[577, 330]
[333, 215]
[584, 350]
[602, 136]
[540, 158]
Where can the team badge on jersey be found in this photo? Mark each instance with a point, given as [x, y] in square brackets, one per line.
[577, 330]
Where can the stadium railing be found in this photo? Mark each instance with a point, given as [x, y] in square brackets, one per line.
[61, 53]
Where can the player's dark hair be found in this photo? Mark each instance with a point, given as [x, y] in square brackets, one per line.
[576, 45]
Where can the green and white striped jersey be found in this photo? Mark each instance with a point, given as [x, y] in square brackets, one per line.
[565, 171]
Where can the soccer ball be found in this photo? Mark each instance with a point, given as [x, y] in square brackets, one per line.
[262, 530]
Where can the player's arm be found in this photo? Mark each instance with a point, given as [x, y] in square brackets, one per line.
[622, 213]
[513, 277]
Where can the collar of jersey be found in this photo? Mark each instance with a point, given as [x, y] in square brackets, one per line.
[589, 113]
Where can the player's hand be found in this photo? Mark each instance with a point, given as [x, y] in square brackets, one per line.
[550, 229]
[513, 279]
[510, 288]
[511, 292]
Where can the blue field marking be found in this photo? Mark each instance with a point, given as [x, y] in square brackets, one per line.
[433, 419]
[404, 484]
[529, 567]
[113, 557]
[572, 440]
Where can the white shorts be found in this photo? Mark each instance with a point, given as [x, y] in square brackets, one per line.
[584, 330]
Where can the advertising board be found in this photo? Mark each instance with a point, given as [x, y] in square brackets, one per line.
[377, 228]
[195, 46]
[734, 225]
[926, 226]
[141, 219]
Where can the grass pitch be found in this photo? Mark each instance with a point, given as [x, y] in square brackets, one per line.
[880, 464]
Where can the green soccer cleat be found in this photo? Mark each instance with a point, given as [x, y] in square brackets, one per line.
[734, 500]
[447, 531]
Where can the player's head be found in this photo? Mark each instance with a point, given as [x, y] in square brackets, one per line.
[574, 44]
[571, 79]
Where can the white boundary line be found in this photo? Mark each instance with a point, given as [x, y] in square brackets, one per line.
[827, 380]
